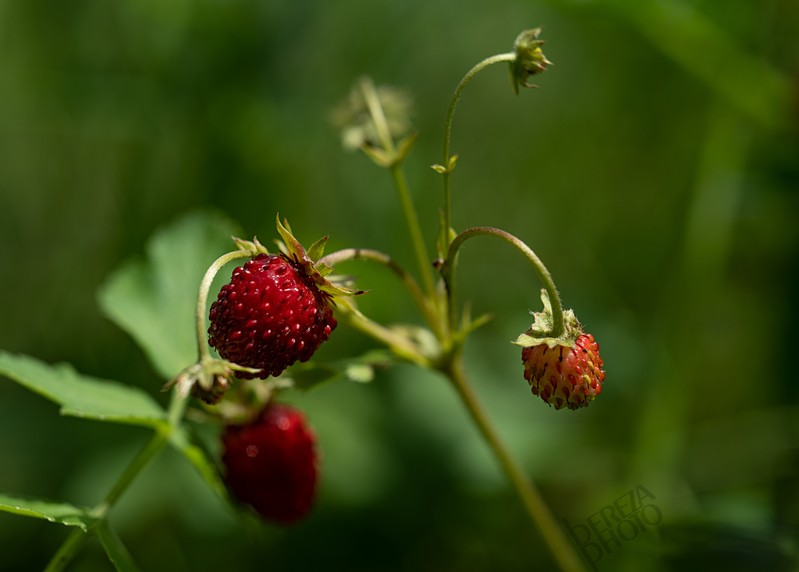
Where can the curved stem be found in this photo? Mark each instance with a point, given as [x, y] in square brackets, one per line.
[562, 550]
[546, 278]
[480, 66]
[407, 280]
[202, 298]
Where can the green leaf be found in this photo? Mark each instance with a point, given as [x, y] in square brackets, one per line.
[80, 395]
[441, 169]
[117, 552]
[154, 300]
[180, 440]
[58, 512]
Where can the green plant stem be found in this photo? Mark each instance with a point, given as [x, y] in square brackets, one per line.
[202, 298]
[397, 343]
[141, 460]
[422, 257]
[448, 270]
[562, 550]
[400, 184]
[480, 66]
[68, 550]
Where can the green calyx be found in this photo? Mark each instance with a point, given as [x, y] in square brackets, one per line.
[308, 260]
[530, 59]
[208, 379]
[319, 273]
[540, 332]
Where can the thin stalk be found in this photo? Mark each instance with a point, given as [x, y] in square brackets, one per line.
[400, 184]
[397, 343]
[141, 460]
[177, 407]
[202, 298]
[546, 278]
[480, 66]
[68, 550]
[562, 550]
[422, 257]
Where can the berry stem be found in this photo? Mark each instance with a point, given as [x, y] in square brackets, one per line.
[203, 353]
[447, 271]
[400, 183]
[480, 66]
[553, 534]
[407, 280]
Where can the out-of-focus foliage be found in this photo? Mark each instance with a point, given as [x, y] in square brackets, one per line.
[655, 170]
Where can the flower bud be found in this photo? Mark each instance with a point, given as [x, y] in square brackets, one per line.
[530, 59]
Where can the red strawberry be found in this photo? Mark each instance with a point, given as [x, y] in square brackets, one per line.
[565, 375]
[271, 464]
[276, 309]
[565, 370]
[270, 315]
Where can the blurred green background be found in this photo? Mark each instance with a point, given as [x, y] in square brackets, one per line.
[655, 170]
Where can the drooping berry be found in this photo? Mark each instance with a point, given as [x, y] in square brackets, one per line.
[271, 464]
[562, 365]
[270, 315]
[564, 375]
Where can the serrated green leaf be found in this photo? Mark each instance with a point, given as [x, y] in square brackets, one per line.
[181, 441]
[115, 550]
[57, 512]
[81, 395]
[153, 300]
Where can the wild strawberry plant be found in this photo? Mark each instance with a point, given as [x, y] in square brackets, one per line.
[231, 362]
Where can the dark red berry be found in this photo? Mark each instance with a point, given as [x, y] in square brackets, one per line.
[271, 465]
[270, 315]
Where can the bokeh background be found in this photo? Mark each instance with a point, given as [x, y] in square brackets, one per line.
[655, 170]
